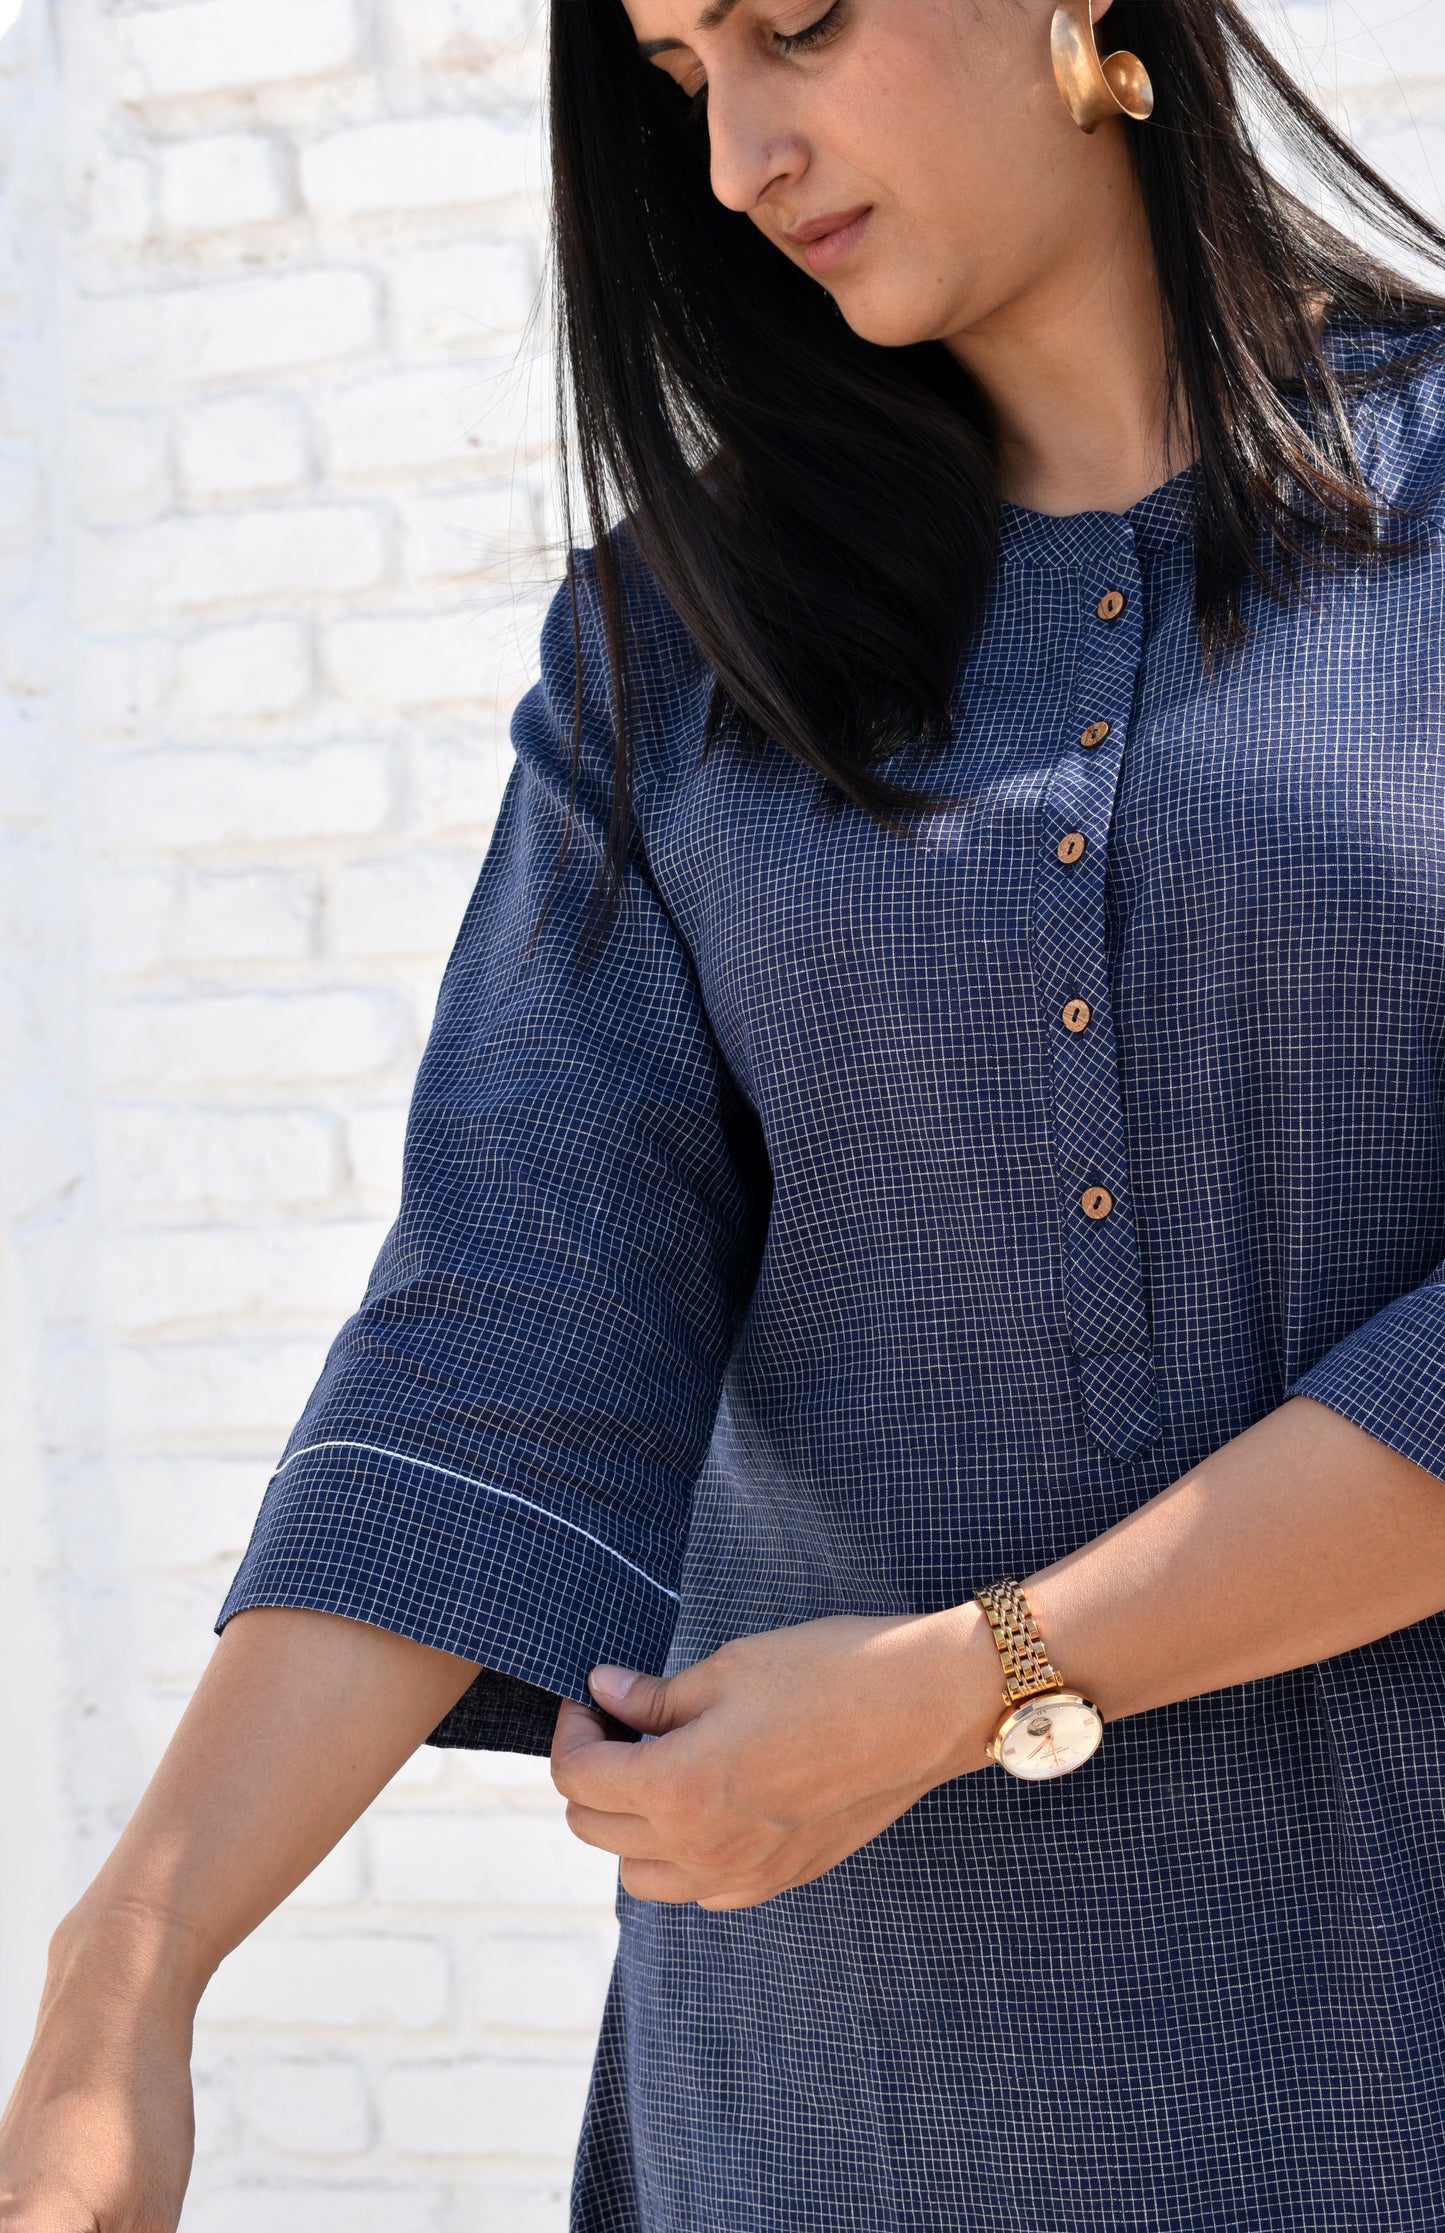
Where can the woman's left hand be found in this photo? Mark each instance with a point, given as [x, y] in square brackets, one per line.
[782, 1754]
[779, 1755]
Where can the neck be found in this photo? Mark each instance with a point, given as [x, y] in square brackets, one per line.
[1074, 364]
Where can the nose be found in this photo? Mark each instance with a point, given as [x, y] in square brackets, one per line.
[753, 149]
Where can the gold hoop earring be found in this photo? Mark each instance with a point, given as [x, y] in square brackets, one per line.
[1093, 88]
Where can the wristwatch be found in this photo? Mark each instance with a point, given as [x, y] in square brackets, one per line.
[1048, 1728]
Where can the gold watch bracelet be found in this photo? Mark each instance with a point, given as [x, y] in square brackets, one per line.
[1028, 1670]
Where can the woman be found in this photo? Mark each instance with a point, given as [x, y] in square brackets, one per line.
[917, 1283]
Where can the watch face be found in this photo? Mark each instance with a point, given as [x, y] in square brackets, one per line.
[1047, 1736]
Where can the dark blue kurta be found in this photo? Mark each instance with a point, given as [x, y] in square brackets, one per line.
[742, 1277]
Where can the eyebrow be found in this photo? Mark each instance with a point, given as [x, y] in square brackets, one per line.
[718, 12]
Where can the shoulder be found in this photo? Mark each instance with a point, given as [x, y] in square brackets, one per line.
[666, 683]
[1397, 382]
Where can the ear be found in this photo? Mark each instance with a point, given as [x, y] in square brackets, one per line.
[1098, 9]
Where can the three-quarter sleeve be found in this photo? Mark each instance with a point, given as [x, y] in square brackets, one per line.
[1388, 1376]
[499, 1457]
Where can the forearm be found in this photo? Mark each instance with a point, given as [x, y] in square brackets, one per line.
[1299, 1539]
[298, 1722]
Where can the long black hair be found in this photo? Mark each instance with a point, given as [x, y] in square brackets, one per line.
[828, 538]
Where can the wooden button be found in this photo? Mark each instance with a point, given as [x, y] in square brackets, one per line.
[1094, 734]
[1078, 1015]
[1111, 604]
[1073, 847]
[1097, 1203]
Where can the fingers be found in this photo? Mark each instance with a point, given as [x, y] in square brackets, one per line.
[594, 1769]
[672, 1885]
[630, 1836]
[663, 1881]
[646, 1702]
[721, 1805]
[769, 1886]
[578, 1750]
[576, 1728]
[729, 1877]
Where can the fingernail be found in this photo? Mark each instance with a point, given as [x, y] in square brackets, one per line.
[614, 1682]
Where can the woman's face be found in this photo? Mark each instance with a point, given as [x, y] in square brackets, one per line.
[914, 156]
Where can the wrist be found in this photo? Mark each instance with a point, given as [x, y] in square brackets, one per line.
[125, 1960]
[967, 1690]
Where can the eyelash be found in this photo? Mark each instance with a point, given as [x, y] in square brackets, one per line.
[812, 35]
[816, 34]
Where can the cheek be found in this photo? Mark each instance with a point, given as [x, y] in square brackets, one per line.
[925, 105]
[945, 250]
[962, 182]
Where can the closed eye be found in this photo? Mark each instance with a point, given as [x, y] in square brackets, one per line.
[816, 34]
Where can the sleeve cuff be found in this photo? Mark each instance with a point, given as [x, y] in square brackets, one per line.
[499, 1714]
[1388, 1377]
[378, 1536]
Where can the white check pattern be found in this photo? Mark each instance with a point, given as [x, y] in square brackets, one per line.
[742, 1276]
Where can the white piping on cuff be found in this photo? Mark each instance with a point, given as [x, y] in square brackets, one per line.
[427, 1465]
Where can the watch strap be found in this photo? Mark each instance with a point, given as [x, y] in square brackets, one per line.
[1027, 1668]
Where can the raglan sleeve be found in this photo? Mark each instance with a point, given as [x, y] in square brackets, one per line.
[500, 1454]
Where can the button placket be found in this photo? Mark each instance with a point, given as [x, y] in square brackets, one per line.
[1108, 1315]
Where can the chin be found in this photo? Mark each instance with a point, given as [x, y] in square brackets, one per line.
[887, 317]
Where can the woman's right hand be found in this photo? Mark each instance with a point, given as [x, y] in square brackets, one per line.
[299, 1720]
[108, 2151]
[98, 2134]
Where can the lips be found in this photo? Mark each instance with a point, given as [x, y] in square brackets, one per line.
[826, 240]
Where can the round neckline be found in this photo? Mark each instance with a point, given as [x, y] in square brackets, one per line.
[1153, 521]
[1357, 345]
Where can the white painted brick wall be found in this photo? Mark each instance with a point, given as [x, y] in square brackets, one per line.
[245, 445]
[272, 509]
[235, 178]
[234, 46]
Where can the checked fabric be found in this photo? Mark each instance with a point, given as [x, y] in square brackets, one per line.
[870, 1216]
